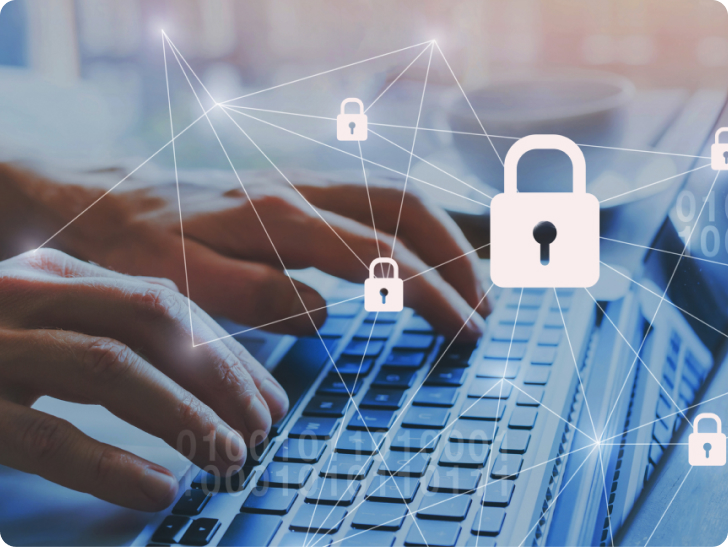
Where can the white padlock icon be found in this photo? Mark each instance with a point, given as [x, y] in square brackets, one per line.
[707, 448]
[544, 239]
[719, 152]
[384, 293]
[351, 127]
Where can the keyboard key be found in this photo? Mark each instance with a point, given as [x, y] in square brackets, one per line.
[348, 366]
[436, 396]
[285, 475]
[505, 350]
[504, 333]
[553, 319]
[402, 464]
[333, 492]
[490, 389]
[368, 538]
[211, 482]
[393, 489]
[249, 530]
[526, 300]
[497, 368]
[333, 385]
[426, 418]
[382, 317]
[446, 377]
[200, 532]
[301, 539]
[525, 317]
[537, 376]
[417, 323]
[335, 327]
[480, 541]
[506, 466]
[405, 359]
[530, 396]
[383, 516]
[344, 309]
[414, 342]
[472, 431]
[415, 440]
[372, 420]
[441, 506]
[430, 534]
[319, 520]
[377, 331]
[322, 405]
[314, 428]
[515, 442]
[457, 355]
[543, 355]
[455, 480]
[550, 337]
[171, 529]
[498, 494]
[300, 451]
[383, 399]
[523, 418]
[346, 466]
[394, 379]
[488, 521]
[464, 455]
[369, 348]
[257, 453]
[359, 442]
[484, 410]
[191, 503]
[271, 501]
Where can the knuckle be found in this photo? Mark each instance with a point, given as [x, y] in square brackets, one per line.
[160, 302]
[106, 357]
[43, 438]
[190, 411]
[105, 464]
[280, 202]
[227, 374]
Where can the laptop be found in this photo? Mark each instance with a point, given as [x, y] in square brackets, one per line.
[397, 436]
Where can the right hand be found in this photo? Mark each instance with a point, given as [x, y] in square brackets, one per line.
[75, 331]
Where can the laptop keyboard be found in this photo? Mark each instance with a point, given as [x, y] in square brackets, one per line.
[433, 421]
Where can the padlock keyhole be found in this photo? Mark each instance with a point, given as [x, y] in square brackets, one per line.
[725, 157]
[544, 233]
[707, 447]
[384, 292]
[352, 125]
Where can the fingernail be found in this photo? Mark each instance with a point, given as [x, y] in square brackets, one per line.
[257, 418]
[230, 447]
[275, 396]
[476, 326]
[158, 486]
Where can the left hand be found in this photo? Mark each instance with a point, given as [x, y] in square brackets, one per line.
[235, 271]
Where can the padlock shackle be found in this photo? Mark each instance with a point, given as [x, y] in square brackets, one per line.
[544, 142]
[390, 261]
[719, 133]
[707, 415]
[352, 100]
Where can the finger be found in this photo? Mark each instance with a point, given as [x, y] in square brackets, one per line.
[37, 443]
[160, 325]
[429, 231]
[102, 371]
[253, 294]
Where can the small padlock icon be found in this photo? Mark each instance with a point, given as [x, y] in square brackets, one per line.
[719, 152]
[544, 239]
[383, 293]
[351, 127]
[707, 448]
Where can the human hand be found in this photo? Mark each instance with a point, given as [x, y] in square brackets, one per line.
[233, 269]
[77, 332]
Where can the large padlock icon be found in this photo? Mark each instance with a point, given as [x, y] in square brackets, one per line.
[707, 448]
[384, 293]
[351, 127]
[719, 152]
[544, 239]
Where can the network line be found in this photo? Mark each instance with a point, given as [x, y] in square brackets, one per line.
[349, 394]
[357, 157]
